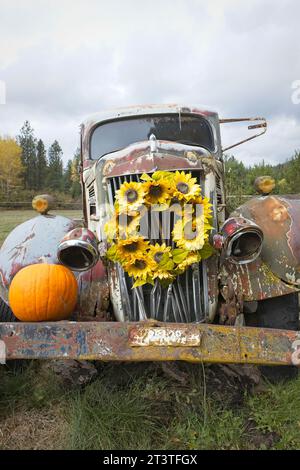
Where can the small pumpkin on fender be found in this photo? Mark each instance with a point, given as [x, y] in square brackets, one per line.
[43, 292]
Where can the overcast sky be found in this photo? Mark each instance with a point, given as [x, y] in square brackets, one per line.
[62, 60]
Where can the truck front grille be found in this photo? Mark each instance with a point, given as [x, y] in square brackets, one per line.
[183, 301]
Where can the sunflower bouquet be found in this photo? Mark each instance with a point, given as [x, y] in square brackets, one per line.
[168, 192]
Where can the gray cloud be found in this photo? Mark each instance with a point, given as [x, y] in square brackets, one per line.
[63, 60]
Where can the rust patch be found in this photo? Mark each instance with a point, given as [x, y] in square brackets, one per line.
[255, 281]
[278, 217]
[233, 305]
[113, 342]
[93, 294]
[141, 160]
[148, 336]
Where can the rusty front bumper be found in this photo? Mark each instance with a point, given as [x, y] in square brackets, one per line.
[148, 341]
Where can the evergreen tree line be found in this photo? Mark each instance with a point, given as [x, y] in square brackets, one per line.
[239, 178]
[28, 168]
[44, 170]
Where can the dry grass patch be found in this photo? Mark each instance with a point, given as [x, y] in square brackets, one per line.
[34, 429]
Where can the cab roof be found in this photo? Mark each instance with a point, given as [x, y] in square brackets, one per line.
[141, 110]
[136, 110]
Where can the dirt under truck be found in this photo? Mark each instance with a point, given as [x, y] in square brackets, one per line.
[227, 293]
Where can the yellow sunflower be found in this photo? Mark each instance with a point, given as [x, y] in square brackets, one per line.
[191, 235]
[176, 206]
[202, 207]
[164, 264]
[157, 192]
[122, 226]
[185, 187]
[191, 258]
[130, 197]
[110, 229]
[177, 192]
[159, 175]
[141, 266]
[163, 275]
[131, 248]
[160, 252]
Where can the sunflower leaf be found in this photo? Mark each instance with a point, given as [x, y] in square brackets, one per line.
[164, 259]
[166, 263]
[146, 177]
[179, 255]
[140, 281]
[206, 251]
[160, 174]
[112, 252]
[166, 282]
[150, 281]
[169, 265]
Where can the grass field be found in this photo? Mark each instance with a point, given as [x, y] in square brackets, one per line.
[10, 218]
[144, 406]
[140, 407]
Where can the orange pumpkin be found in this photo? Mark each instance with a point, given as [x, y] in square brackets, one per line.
[43, 292]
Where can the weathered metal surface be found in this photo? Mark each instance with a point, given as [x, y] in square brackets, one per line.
[34, 241]
[147, 336]
[119, 301]
[232, 305]
[93, 297]
[212, 265]
[255, 281]
[279, 218]
[138, 342]
[138, 158]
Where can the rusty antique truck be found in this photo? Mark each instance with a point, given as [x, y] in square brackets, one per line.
[238, 305]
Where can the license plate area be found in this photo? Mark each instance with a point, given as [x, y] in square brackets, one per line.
[164, 336]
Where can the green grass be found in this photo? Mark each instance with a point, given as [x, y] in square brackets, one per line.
[104, 418]
[9, 219]
[126, 408]
[278, 411]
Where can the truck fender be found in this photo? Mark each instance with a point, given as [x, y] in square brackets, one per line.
[277, 271]
[33, 241]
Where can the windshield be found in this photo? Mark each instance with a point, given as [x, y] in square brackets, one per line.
[115, 135]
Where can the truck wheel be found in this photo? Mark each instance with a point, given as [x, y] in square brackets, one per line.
[278, 312]
[6, 314]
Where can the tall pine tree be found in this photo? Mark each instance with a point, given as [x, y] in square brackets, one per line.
[67, 177]
[75, 176]
[42, 165]
[27, 142]
[55, 168]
